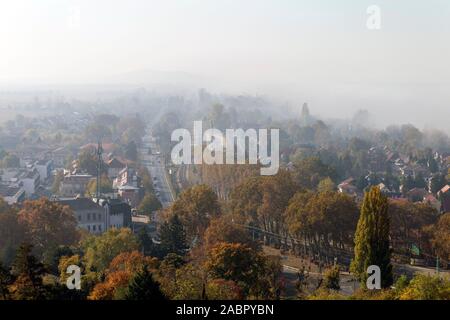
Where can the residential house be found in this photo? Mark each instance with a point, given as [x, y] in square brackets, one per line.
[118, 213]
[12, 195]
[115, 166]
[347, 187]
[444, 197]
[44, 167]
[127, 184]
[59, 156]
[90, 216]
[30, 180]
[130, 194]
[74, 184]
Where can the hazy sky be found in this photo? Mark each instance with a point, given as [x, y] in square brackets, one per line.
[320, 51]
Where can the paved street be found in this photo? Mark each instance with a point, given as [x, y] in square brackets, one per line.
[152, 159]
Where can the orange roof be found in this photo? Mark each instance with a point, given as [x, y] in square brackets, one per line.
[445, 189]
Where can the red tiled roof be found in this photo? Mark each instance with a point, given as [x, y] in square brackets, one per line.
[445, 189]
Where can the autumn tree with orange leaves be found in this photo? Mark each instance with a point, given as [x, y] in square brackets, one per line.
[48, 225]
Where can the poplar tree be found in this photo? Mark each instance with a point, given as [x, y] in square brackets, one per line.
[372, 245]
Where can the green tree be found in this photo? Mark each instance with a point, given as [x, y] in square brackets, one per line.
[423, 287]
[131, 151]
[326, 185]
[310, 171]
[11, 161]
[149, 204]
[28, 272]
[12, 233]
[241, 264]
[105, 186]
[195, 207]
[372, 238]
[146, 243]
[101, 250]
[143, 287]
[5, 280]
[59, 176]
[332, 278]
[173, 236]
[87, 162]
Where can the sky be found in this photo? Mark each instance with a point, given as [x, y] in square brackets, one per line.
[317, 51]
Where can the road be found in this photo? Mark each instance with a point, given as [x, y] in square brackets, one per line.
[155, 165]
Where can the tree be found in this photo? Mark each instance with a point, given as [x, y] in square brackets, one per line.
[223, 230]
[173, 236]
[276, 191]
[105, 186]
[131, 151]
[423, 287]
[48, 224]
[326, 185]
[101, 250]
[143, 287]
[319, 218]
[372, 238]
[146, 179]
[441, 237]
[11, 161]
[149, 204]
[131, 262]
[11, 233]
[112, 288]
[195, 207]
[220, 289]
[118, 275]
[239, 263]
[28, 274]
[87, 162]
[246, 198]
[96, 131]
[5, 281]
[184, 283]
[332, 278]
[419, 181]
[59, 176]
[146, 243]
[310, 171]
[408, 221]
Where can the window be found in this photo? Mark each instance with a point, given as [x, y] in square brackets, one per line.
[79, 218]
[89, 216]
[94, 227]
[100, 227]
[89, 228]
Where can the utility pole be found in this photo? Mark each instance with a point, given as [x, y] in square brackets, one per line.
[99, 169]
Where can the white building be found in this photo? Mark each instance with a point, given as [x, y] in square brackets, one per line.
[30, 181]
[89, 215]
[44, 167]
